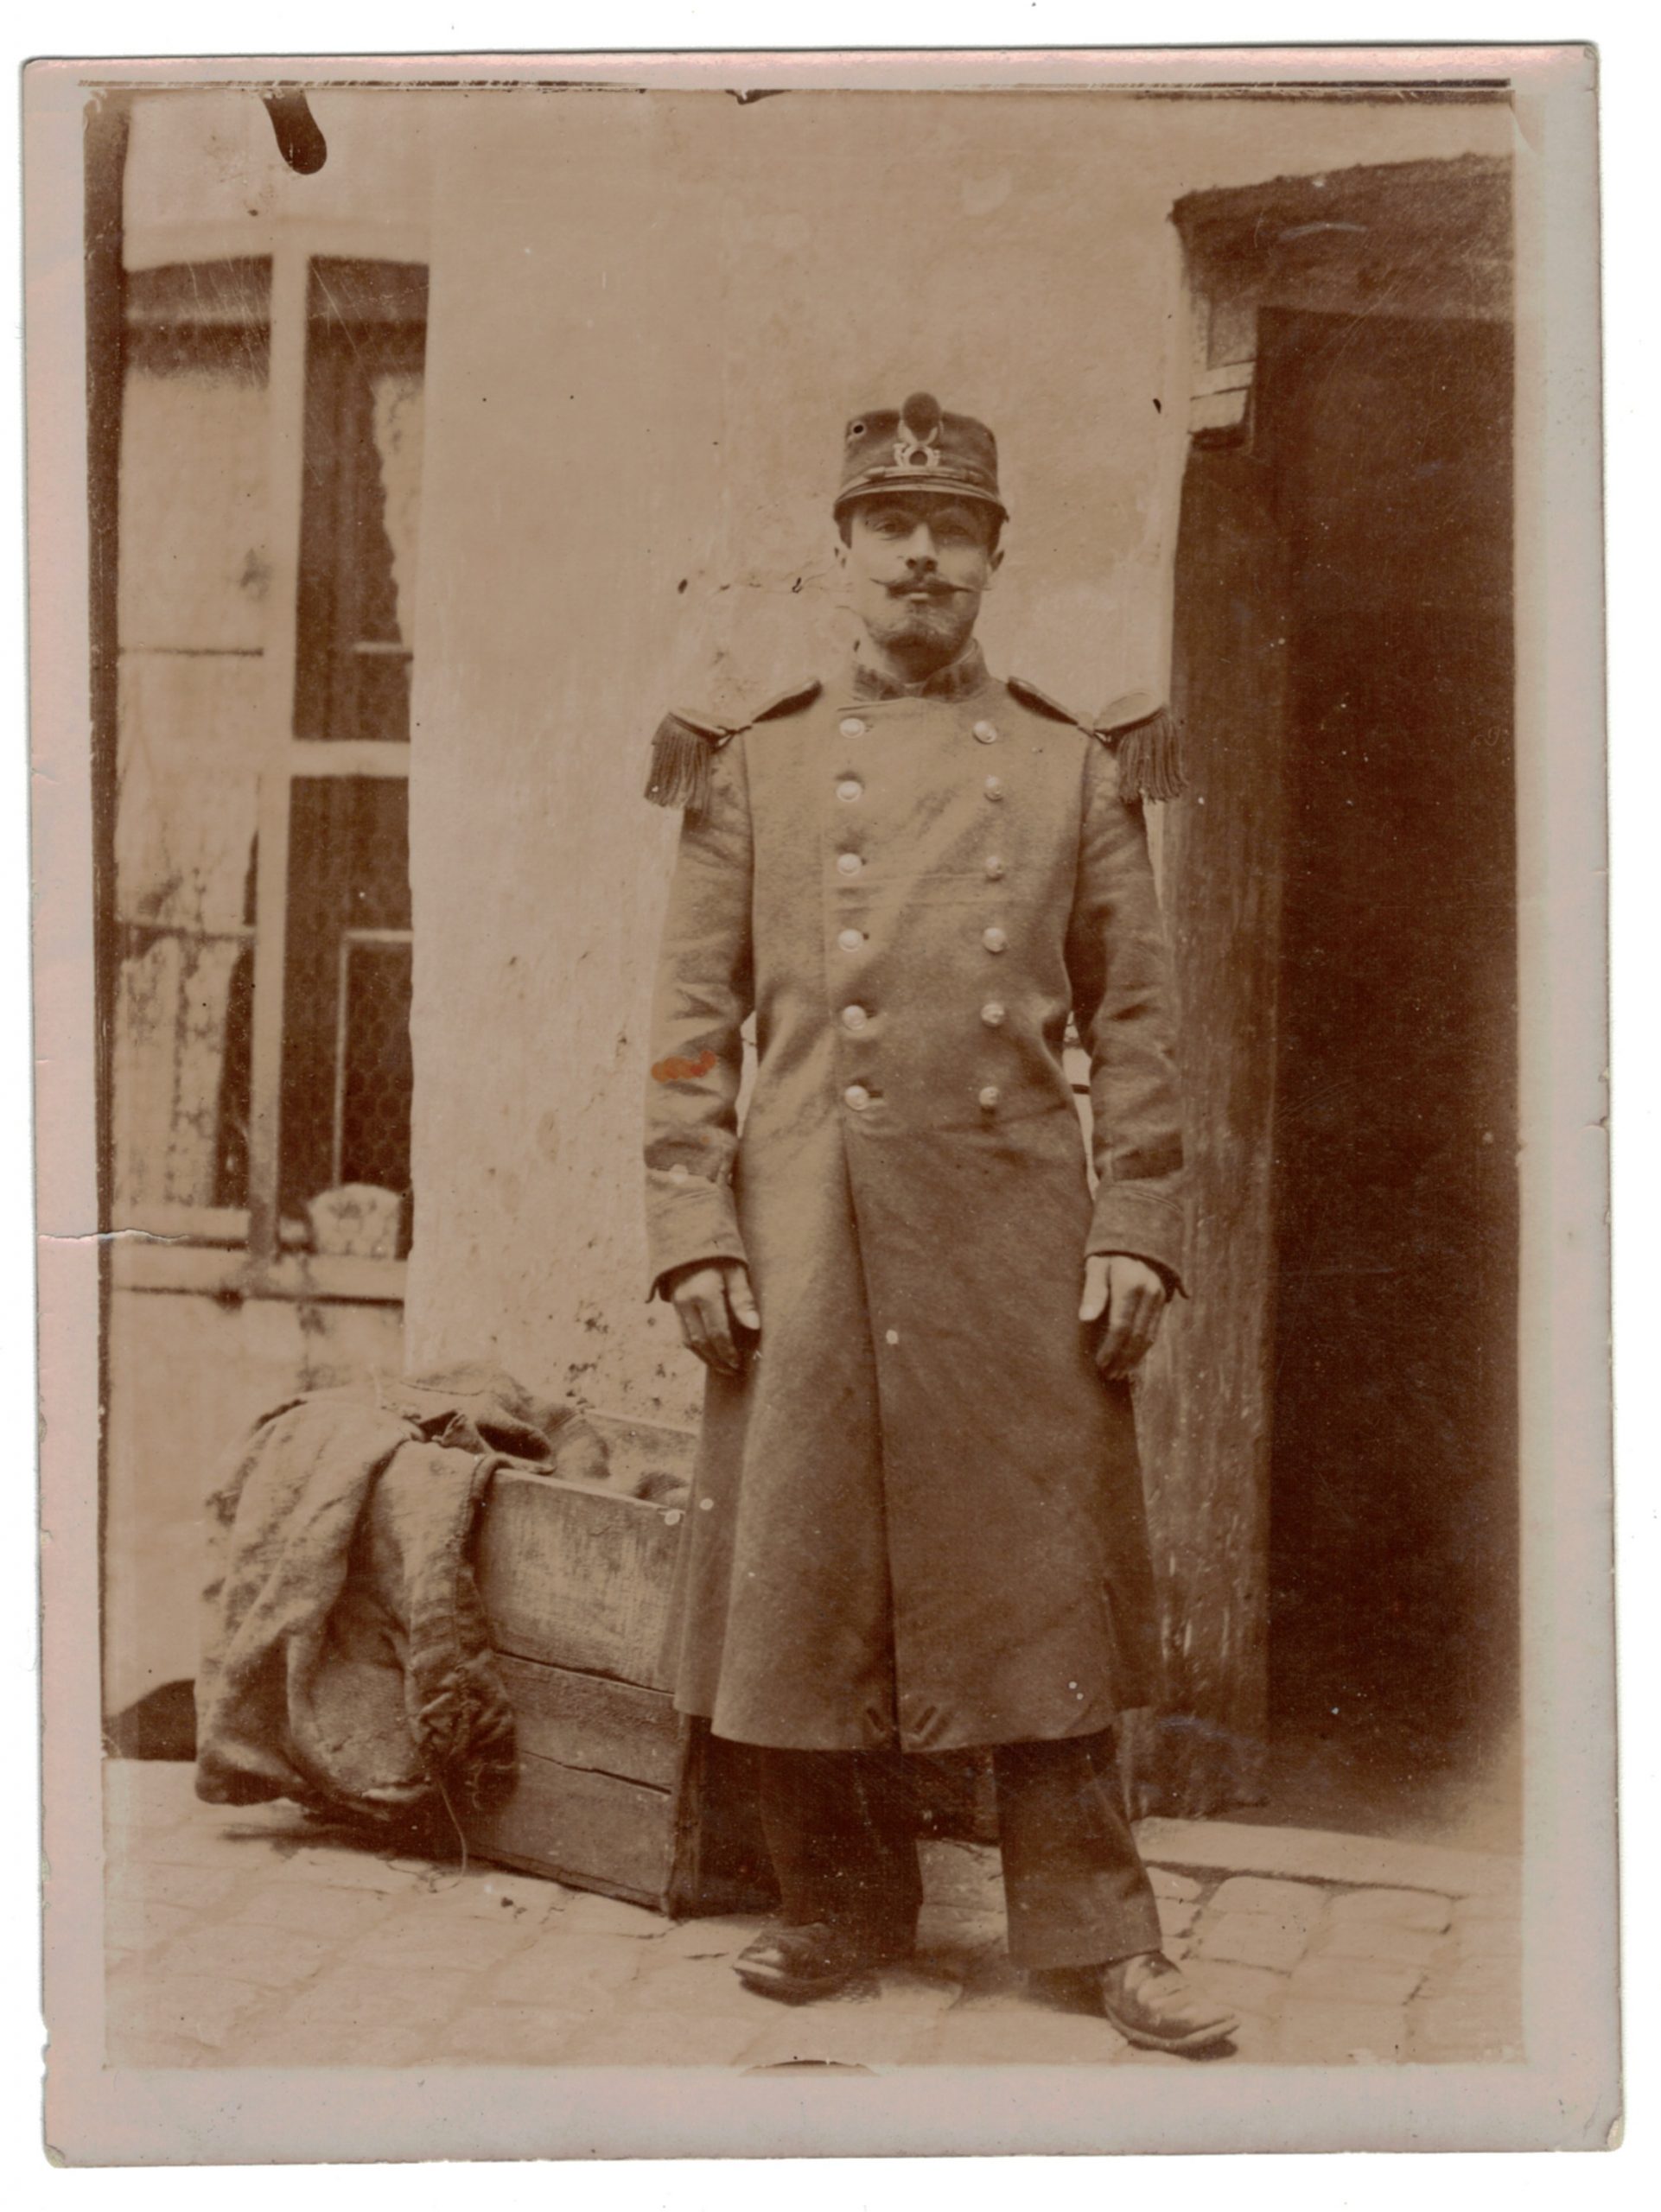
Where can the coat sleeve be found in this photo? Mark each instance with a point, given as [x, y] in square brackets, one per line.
[1121, 1005]
[704, 993]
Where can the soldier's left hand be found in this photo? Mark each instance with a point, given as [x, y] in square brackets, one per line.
[1132, 1295]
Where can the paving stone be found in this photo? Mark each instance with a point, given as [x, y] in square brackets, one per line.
[358, 1997]
[275, 1958]
[715, 1938]
[1422, 1908]
[966, 1874]
[628, 2038]
[563, 1969]
[596, 1916]
[943, 1930]
[196, 1888]
[416, 1935]
[1019, 2034]
[493, 1895]
[513, 2035]
[1335, 1980]
[311, 1909]
[1476, 1981]
[332, 1868]
[1298, 1903]
[1341, 2035]
[696, 1985]
[1501, 1901]
[1497, 1938]
[152, 1793]
[140, 1923]
[1246, 1989]
[841, 2032]
[1176, 1916]
[987, 1976]
[1379, 1940]
[202, 2009]
[1180, 1889]
[1251, 1939]
[214, 1846]
[1446, 2033]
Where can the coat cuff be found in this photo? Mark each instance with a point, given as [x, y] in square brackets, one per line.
[688, 1218]
[1144, 1223]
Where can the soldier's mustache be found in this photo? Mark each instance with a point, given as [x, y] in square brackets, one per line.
[936, 587]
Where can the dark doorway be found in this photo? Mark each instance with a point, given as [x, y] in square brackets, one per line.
[1387, 452]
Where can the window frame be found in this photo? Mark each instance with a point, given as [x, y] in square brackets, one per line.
[227, 1249]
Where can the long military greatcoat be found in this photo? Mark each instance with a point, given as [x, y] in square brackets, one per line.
[918, 1513]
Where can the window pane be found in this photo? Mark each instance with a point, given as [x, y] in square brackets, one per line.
[361, 508]
[346, 1057]
[194, 572]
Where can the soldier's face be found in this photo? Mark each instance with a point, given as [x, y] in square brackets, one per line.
[917, 566]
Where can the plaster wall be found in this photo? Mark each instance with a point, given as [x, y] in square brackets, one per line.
[651, 316]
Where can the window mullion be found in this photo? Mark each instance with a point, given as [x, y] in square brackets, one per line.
[287, 388]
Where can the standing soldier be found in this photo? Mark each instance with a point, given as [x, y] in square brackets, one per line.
[918, 1521]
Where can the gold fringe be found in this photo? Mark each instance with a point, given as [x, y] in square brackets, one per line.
[680, 766]
[1149, 754]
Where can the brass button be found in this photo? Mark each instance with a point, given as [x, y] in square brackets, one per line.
[891, 1336]
[850, 789]
[849, 864]
[851, 725]
[992, 1015]
[851, 940]
[857, 1097]
[994, 787]
[994, 867]
[678, 1173]
[986, 733]
[994, 939]
[853, 1017]
[988, 1098]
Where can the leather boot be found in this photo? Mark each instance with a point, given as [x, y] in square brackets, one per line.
[1153, 2006]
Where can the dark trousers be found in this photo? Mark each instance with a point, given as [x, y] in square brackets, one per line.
[841, 1829]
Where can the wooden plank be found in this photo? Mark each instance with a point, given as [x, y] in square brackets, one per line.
[594, 1831]
[1203, 1403]
[578, 1578]
[584, 1720]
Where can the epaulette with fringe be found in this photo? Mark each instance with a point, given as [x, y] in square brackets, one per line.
[1147, 744]
[1138, 729]
[684, 746]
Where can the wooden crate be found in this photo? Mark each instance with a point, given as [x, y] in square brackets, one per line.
[616, 1791]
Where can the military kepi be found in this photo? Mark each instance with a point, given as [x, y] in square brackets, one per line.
[919, 447]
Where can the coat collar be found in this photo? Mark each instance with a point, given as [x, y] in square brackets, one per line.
[955, 681]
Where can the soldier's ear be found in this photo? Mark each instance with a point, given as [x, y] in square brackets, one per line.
[994, 562]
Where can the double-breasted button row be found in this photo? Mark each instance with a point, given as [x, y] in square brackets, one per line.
[850, 789]
[849, 864]
[853, 1017]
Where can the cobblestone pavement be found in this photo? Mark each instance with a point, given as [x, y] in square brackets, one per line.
[245, 1938]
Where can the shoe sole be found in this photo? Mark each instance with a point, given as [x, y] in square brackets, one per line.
[797, 1989]
[1196, 2038]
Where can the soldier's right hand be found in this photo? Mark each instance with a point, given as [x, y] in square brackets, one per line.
[713, 1301]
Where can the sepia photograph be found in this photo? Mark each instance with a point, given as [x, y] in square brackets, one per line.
[801, 938]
